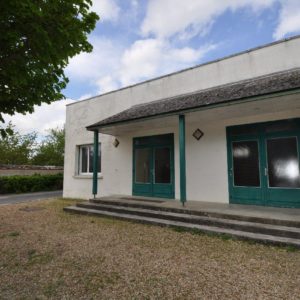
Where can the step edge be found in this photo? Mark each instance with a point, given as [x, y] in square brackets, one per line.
[203, 212]
[217, 230]
[198, 217]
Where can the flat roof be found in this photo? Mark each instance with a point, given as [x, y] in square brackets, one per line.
[190, 68]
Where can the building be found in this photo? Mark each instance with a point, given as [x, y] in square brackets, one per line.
[226, 131]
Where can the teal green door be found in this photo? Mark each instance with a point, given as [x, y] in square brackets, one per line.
[153, 166]
[246, 181]
[264, 164]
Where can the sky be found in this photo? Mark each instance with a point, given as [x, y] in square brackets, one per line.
[136, 40]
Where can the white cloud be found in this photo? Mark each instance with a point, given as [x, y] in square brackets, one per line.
[190, 17]
[110, 67]
[153, 57]
[289, 18]
[86, 66]
[44, 117]
[134, 3]
[107, 84]
[92, 68]
[108, 10]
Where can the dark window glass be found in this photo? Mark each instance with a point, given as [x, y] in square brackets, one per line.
[162, 165]
[244, 129]
[283, 162]
[99, 158]
[91, 158]
[87, 159]
[286, 125]
[142, 165]
[84, 159]
[246, 163]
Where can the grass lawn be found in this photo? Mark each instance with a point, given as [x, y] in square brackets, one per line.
[47, 253]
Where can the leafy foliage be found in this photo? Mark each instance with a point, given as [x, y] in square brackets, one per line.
[37, 39]
[51, 150]
[33, 183]
[17, 149]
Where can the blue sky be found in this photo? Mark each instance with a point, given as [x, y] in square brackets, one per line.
[136, 40]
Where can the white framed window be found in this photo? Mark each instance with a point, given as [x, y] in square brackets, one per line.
[86, 157]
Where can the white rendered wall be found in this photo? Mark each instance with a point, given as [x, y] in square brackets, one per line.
[206, 160]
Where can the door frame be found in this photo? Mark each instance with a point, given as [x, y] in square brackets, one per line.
[243, 192]
[262, 132]
[273, 195]
[153, 142]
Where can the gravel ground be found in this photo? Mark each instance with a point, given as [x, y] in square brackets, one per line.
[49, 254]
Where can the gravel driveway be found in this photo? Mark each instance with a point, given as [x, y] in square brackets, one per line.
[46, 253]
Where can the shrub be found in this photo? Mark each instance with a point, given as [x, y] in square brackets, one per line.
[33, 183]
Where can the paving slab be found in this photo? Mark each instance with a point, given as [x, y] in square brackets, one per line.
[285, 214]
[17, 198]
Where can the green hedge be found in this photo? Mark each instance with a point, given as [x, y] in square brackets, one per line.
[33, 183]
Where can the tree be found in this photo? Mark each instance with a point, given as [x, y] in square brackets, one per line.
[37, 40]
[51, 151]
[17, 149]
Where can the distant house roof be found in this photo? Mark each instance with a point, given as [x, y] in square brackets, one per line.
[241, 90]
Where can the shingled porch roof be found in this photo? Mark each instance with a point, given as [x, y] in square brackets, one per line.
[228, 93]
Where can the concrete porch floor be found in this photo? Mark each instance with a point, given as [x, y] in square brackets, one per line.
[261, 212]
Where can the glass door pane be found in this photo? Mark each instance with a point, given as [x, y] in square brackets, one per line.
[162, 172]
[142, 165]
[283, 163]
[246, 163]
[84, 160]
[91, 158]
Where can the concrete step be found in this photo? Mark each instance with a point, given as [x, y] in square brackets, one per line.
[262, 238]
[276, 230]
[202, 212]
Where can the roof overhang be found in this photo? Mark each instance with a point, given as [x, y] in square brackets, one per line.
[271, 86]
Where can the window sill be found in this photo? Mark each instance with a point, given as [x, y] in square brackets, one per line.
[88, 176]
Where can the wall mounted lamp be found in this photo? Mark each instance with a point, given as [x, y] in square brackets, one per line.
[198, 134]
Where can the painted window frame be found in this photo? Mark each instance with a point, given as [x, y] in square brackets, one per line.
[267, 165]
[259, 163]
[268, 130]
[79, 161]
